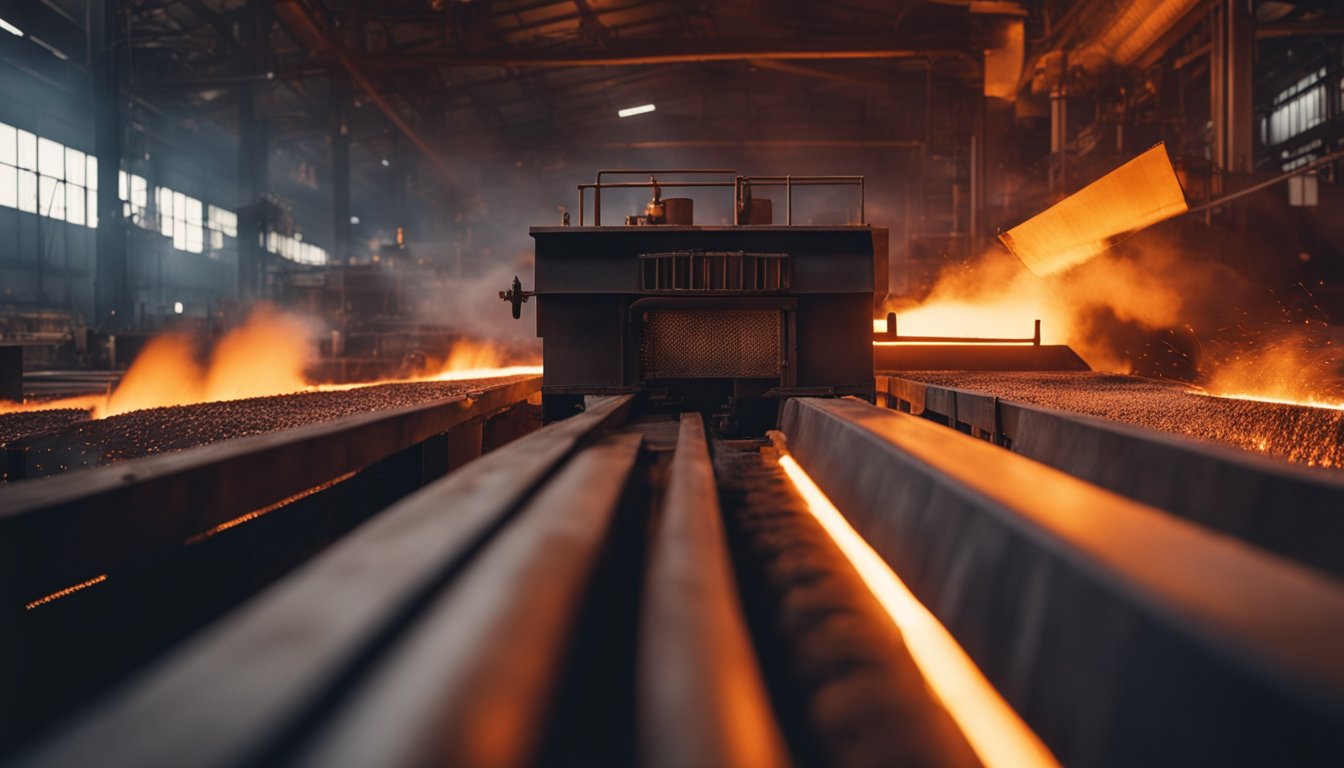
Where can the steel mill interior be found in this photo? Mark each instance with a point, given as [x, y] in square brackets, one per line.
[671, 383]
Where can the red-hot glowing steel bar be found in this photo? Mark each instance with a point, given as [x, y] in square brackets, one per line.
[993, 729]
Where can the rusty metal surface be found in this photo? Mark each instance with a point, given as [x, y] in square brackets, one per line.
[245, 690]
[702, 701]
[1123, 635]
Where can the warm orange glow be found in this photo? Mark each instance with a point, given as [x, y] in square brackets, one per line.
[479, 360]
[1134, 196]
[267, 355]
[1285, 370]
[997, 297]
[995, 732]
[70, 590]
[256, 513]
[264, 356]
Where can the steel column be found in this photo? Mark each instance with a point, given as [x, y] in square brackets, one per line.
[112, 303]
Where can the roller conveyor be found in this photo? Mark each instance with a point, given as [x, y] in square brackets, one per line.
[626, 589]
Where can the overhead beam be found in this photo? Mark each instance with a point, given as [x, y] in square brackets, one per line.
[311, 33]
[688, 51]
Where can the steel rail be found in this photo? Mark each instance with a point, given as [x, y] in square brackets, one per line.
[701, 699]
[253, 690]
[1286, 509]
[1079, 604]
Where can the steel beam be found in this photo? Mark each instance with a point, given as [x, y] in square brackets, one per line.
[244, 692]
[702, 700]
[680, 52]
[1288, 510]
[310, 32]
[474, 679]
[1123, 635]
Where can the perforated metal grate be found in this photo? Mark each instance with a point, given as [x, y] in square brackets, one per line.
[710, 344]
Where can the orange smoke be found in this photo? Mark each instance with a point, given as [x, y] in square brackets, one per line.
[997, 297]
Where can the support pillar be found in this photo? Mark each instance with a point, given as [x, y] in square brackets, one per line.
[1233, 116]
[253, 151]
[112, 303]
[340, 169]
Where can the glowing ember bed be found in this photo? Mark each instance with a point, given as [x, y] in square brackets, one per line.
[1300, 434]
[58, 441]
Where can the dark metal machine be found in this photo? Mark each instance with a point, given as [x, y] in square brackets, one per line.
[726, 320]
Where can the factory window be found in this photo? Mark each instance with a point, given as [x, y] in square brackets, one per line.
[133, 191]
[38, 174]
[294, 249]
[180, 217]
[1297, 108]
[220, 223]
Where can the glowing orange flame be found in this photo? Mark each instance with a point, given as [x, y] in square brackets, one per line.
[267, 355]
[264, 356]
[997, 297]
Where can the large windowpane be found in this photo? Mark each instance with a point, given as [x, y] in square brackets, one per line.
[92, 196]
[50, 159]
[49, 191]
[27, 151]
[74, 203]
[28, 191]
[9, 187]
[74, 166]
[9, 150]
[91, 171]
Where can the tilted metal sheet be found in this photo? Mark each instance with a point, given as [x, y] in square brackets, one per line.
[1134, 196]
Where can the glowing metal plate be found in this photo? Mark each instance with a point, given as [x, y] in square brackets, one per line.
[1130, 198]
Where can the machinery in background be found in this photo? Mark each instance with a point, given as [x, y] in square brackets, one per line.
[726, 320]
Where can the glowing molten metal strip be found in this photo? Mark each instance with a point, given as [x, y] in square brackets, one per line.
[994, 731]
[1309, 402]
[70, 590]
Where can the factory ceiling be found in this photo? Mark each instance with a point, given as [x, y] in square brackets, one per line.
[504, 76]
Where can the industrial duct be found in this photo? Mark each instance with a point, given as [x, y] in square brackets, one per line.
[1134, 28]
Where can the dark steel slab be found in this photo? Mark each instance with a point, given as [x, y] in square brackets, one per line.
[1122, 634]
[1288, 509]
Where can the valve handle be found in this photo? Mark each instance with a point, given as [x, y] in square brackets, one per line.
[516, 296]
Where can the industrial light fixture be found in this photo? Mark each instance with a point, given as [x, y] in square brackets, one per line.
[385, 162]
[632, 111]
[177, 307]
[354, 219]
[10, 28]
[53, 50]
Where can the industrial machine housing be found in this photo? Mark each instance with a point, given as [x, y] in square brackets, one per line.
[726, 320]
